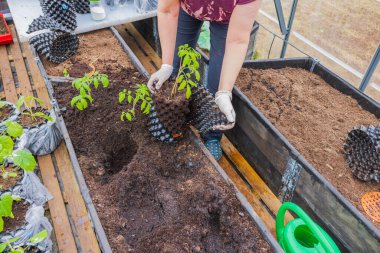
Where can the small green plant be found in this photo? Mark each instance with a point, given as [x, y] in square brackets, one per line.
[189, 67]
[140, 96]
[34, 240]
[6, 203]
[65, 73]
[21, 158]
[28, 102]
[83, 85]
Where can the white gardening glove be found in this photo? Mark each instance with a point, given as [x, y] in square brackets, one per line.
[223, 99]
[158, 78]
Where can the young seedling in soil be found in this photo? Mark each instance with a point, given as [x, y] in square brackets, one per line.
[140, 96]
[6, 203]
[65, 73]
[34, 240]
[83, 85]
[172, 102]
[36, 115]
[21, 158]
[188, 67]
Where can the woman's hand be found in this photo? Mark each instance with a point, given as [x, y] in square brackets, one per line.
[223, 100]
[158, 78]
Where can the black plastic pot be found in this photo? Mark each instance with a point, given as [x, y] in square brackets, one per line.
[287, 172]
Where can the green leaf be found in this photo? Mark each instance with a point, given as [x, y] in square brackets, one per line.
[147, 109]
[14, 129]
[79, 105]
[129, 99]
[20, 102]
[39, 237]
[121, 96]
[25, 160]
[12, 174]
[197, 75]
[182, 85]
[75, 100]
[2, 104]
[82, 91]
[180, 78]
[6, 202]
[105, 81]
[188, 92]
[193, 84]
[6, 147]
[96, 82]
[143, 105]
[1, 224]
[84, 103]
[3, 246]
[128, 116]
[65, 73]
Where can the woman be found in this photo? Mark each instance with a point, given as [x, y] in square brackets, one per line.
[231, 21]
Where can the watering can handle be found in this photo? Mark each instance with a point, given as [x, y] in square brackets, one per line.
[308, 221]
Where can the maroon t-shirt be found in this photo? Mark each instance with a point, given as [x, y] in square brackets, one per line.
[211, 10]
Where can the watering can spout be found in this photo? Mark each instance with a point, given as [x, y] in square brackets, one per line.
[302, 235]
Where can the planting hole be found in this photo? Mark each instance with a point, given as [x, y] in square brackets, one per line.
[119, 150]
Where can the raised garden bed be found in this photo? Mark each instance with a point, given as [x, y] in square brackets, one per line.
[151, 196]
[315, 112]
[5, 33]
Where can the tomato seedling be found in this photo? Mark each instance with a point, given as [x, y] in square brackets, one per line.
[140, 96]
[188, 69]
[83, 85]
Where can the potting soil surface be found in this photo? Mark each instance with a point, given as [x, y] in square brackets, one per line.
[10, 181]
[151, 196]
[99, 48]
[5, 112]
[27, 120]
[19, 210]
[314, 117]
[3, 29]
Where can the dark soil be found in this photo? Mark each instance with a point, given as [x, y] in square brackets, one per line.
[151, 196]
[28, 121]
[19, 209]
[79, 70]
[3, 29]
[5, 112]
[172, 111]
[10, 181]
[314, 117]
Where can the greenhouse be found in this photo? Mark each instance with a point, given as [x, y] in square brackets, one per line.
[189, 126]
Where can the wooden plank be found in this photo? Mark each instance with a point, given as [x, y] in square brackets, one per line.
[252, 177]
[7, 77]
[39, 83]
[145, 61]
[144, 44]
[62, 228]
[22, 73]
[86, 235]
[263, 213]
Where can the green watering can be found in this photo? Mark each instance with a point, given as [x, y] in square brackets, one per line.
[302, 235]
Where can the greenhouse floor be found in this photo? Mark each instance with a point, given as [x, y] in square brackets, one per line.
[72, 226]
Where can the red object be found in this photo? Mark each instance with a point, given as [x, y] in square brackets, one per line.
[5, 38]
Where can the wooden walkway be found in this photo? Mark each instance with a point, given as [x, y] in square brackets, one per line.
[262, 199]
[20, 75]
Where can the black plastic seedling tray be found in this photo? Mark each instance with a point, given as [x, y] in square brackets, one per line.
[288, 173]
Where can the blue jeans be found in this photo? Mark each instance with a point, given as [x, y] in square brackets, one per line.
[188, 33]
